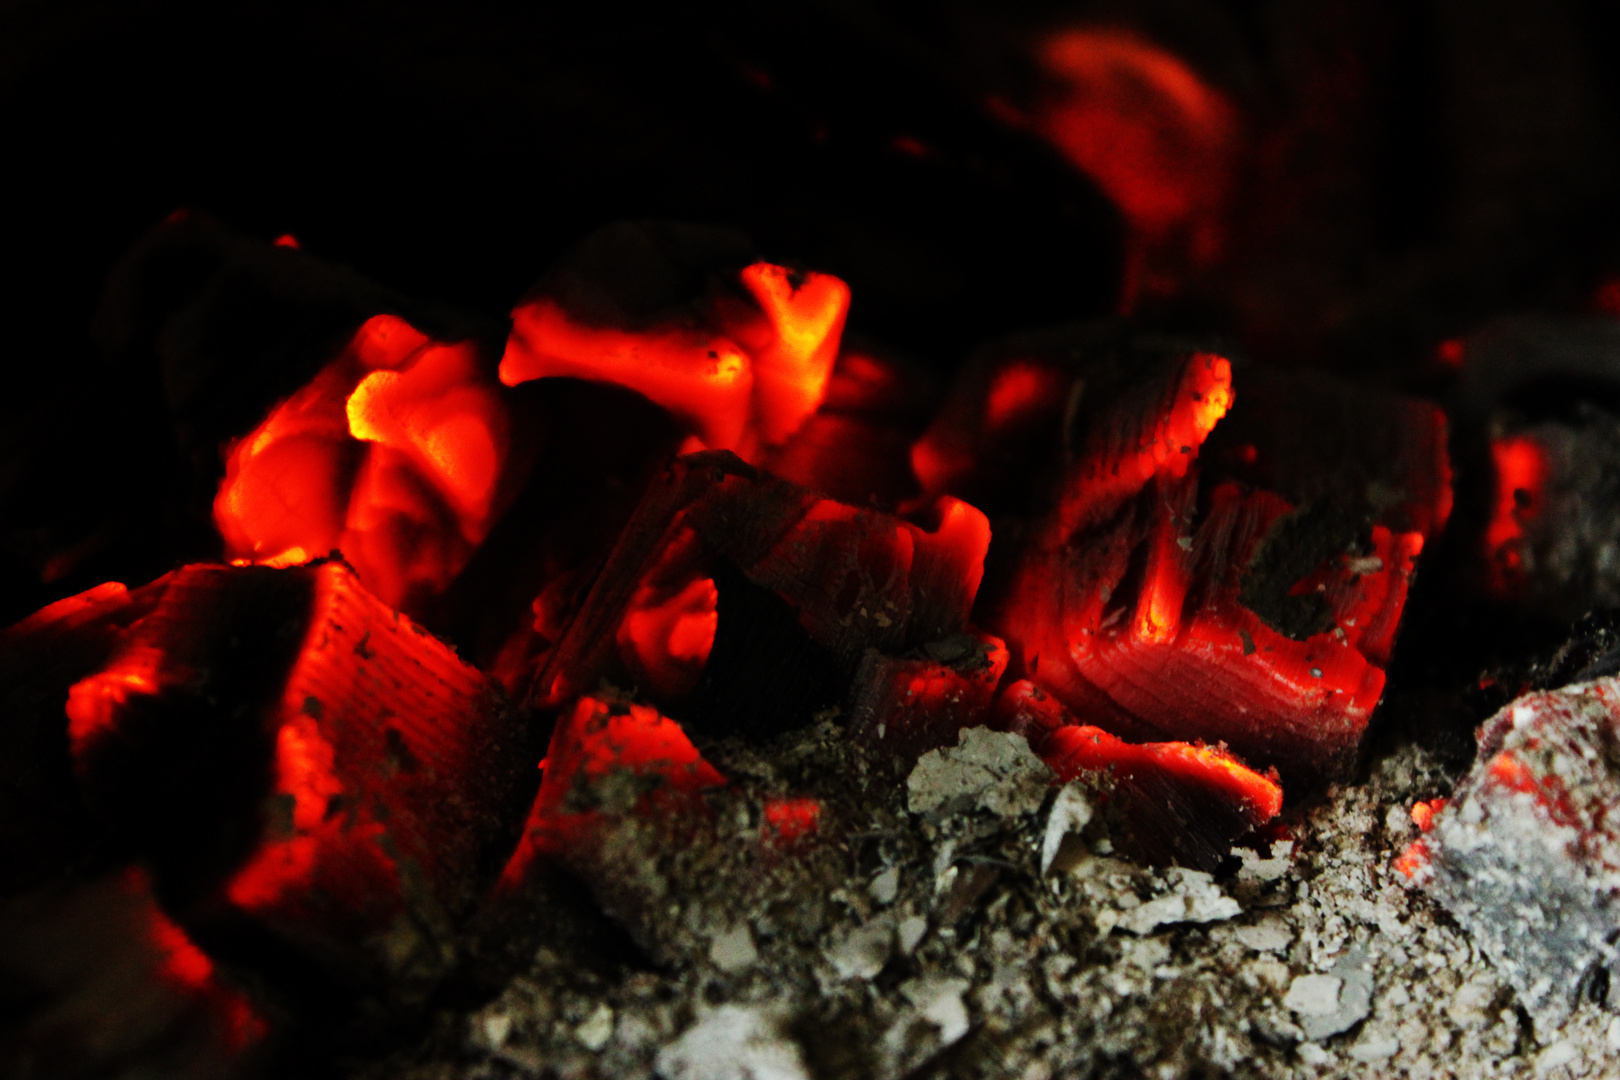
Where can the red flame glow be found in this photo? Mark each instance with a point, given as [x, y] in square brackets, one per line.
[1521, 474]
[592, 741]
[1165, 444]
[393, 455]
[1131, 616]
[1079, 749]
[1158, 139]
[186, 968]
[1072, 750]
[791, 820]
[751, 378]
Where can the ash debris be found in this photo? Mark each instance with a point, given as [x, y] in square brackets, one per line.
[1525, 857]
[990, 936]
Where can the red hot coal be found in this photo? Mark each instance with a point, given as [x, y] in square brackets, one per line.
[1187, 598]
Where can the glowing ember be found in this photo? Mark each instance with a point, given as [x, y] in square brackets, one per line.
[905, 707]
[390, 759]
[393, 454]
[1156, 433]
[1521, 473]
[1157, 138]
[1181, 802]
[593, 742]
[745, 378]
[187, 969]
[1138, 604]
[1522, 855]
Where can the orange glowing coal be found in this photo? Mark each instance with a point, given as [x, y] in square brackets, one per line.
[1127, 604]
[668, 630]
[1159, 140]
[1521, 476]
[1159, 437]
[747, 376]
[593, 740]
[393, 454]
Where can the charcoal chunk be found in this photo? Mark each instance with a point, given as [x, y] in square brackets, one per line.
[1526, 855]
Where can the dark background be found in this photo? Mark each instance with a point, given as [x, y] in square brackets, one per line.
[1407, 170]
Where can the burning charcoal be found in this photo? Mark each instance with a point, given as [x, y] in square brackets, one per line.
[43, 827]
[398, 453]
[233, 324]
[1540, 398]
[1313, 439]
[857, 446]
[1525, 853]
[98, 981]
[740, 351]
[1174, 802]
[901, 708]
[625, 803]
[825, 581]
[345, 424]
[1555, 511]
[1012, 410]
[597, 449]
[608, 760]
[857, 579]
[1164, 597]
[302, 765]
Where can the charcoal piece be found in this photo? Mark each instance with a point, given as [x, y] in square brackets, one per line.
[1537, 401]
[740, 354]
[322, 787]
[857, 448]
[44, 828]
[1369, 455]
[900, 708]
[399, 452]
[631, 807]
[234, 324]
[586, 652]
[1166, 803]
[1022, 407]
[1164, 597]
[855, 579]
[168, 736]
[1548, 545]
[1526, 855]
[597, 449]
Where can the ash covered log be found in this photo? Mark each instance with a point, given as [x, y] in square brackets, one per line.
[1525, 854]
[1539, 401]
[632, 808]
